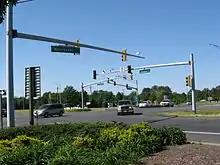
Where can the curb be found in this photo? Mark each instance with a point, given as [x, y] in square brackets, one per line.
[204, 143]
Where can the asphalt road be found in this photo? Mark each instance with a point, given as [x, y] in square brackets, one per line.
[144, 114]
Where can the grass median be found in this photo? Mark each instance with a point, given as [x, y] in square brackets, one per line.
[23, 111]
[200, 113]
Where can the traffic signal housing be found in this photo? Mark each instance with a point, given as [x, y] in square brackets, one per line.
[124, 56]
[126, 86]
[188, 81]
[114, 83]
[94, 74]
[77, 48]
[129, 69]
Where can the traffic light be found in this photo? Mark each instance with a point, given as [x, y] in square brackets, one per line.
[108, 81]
[131, 76]
[129, 68]
[77, 48]
[94, 74]
[188, 81]
[114, 83]
[124, 56]
[127, 86]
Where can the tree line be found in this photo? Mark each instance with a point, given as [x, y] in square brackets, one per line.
[71, 97]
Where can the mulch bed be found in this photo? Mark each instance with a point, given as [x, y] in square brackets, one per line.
[189, 154]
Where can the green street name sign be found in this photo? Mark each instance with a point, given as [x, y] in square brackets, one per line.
[144, 71]
[65, 49]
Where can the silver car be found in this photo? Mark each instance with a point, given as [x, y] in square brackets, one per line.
[47, 110]
[125, 106]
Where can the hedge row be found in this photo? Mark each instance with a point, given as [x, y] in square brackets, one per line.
[85, 143]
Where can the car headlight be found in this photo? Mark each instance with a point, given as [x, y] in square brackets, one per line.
[38, 112]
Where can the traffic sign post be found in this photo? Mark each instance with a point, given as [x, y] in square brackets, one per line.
[144, 71]
[2, 93]
[65, 49]
[32, 87]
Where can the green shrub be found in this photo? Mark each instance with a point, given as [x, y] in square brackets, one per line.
[83, 142]
[97, 143]
[34, 154]
[170, 136]
[143, 128]
[18, 142]
[46, 132]
[108, 138]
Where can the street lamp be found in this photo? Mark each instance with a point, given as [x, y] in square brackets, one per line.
[9, 64]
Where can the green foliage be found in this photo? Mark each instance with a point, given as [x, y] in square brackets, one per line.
[170, 135]
[84, 143]
[108, 138]
[3, 5]
[49, 131]
[18, 142]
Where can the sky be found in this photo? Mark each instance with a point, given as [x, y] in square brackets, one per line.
[163, 31]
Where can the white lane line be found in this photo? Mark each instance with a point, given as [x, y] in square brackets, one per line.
[203, 133]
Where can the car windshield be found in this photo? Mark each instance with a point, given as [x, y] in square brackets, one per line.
[124, 102]
[43, 106]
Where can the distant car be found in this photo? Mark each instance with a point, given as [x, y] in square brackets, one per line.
[189, 102]
[167, 103]
[47, 110]
[4, 113]
[125, 107]
[144, 104]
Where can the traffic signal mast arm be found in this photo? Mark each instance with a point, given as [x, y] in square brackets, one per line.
[101, 81]
[16, 34]
[124, 86]
[150, 66]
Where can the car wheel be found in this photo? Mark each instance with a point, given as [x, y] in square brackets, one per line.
[46, 115]
[61, 113]
[119, 113]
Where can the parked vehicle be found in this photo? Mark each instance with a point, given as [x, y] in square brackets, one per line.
[144, 104]
[167, 103]
[189, 102]
[47, 110]
[125, 107]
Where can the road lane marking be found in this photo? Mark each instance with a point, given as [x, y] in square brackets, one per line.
[203, 133]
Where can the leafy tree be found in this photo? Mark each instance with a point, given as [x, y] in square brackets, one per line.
[118, 96]
[71, 96]
[145, 94]
[3, 5]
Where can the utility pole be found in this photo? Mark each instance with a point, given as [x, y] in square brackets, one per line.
[57, 94]
[9, 67]
[82, 97]
[31, 95]
[60, 95]
[137, 93]
[193, 82]
[1, 115]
